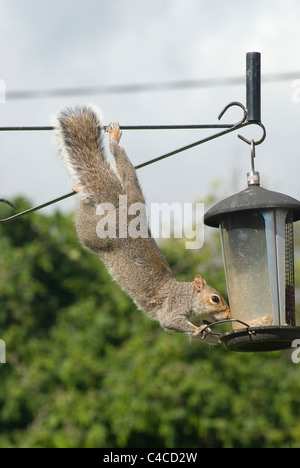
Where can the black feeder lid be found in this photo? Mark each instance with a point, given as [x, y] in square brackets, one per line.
[253, 198]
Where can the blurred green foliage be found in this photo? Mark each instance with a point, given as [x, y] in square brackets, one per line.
[86, 369]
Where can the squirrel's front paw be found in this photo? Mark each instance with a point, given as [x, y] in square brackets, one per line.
[201, 331]
[114, 131]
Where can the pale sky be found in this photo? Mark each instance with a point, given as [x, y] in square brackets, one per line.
[81, 43]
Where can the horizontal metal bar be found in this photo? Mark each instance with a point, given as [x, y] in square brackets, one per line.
[127, 127]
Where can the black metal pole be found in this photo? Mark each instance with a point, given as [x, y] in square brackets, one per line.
[254, 86]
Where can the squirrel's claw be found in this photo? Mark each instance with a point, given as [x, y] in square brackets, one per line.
[201, 331]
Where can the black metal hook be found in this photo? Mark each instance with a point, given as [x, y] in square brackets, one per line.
[258, 142]
[235, 104]
[246, 122]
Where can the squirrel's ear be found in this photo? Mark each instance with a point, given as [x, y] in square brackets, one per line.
[199, 283]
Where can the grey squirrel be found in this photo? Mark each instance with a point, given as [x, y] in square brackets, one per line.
[134, 262]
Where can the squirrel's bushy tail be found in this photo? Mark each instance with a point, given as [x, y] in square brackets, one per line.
[80, 136]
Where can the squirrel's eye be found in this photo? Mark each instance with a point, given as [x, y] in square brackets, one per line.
[215, 299]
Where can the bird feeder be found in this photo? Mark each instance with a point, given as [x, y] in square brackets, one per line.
[256, 227]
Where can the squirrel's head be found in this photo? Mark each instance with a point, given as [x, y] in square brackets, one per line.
[210, 303]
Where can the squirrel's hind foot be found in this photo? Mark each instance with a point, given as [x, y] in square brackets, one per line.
[114, 132]
[77, 188]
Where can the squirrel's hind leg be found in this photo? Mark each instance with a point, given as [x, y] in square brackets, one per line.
[86, 226]
[125, 169]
